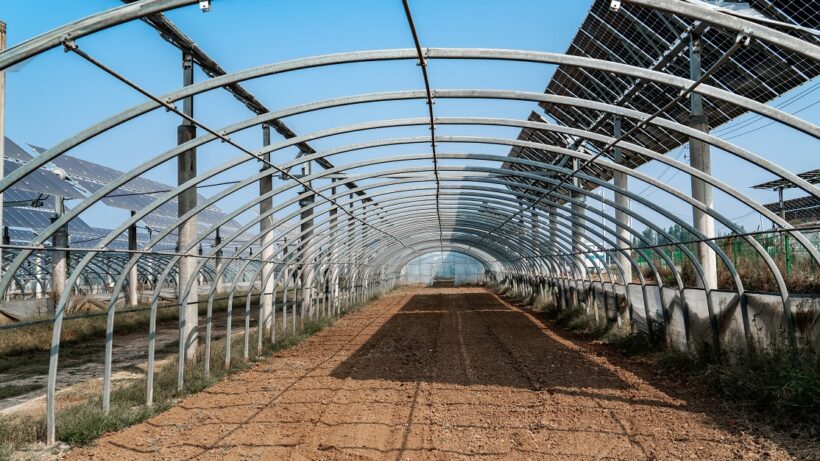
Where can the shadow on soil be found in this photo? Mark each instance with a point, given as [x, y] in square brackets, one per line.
[440, 338]
[732, 416]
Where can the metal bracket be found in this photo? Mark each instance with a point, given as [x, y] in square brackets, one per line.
[744, 37]
[423, 61]
[69, 44]
[615, 6]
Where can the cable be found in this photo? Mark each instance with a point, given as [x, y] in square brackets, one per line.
[423, 64]
[71, 46]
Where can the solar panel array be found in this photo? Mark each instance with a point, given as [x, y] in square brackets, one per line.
[136, 194]
[800, 209]
[30, 203]
[656, 40]
[42, 180]
[813, 177]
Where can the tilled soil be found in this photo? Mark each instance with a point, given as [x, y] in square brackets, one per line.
[441, 373]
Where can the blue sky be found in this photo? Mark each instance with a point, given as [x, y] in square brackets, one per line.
[57, 94]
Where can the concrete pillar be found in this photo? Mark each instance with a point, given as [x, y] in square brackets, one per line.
[59, 258]
[577, 220]
[306, 263]
[333, 291]
[351, 253]
[218, 262]
[186, 170]
[133, 296]
[535, 229]
[700, 158]
[622, 219]
[38, 274]
[265, 227]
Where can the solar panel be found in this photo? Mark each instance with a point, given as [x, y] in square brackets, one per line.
[798, 209]
[135, 195]
[41, 180]
[648, 38]
[813, 177]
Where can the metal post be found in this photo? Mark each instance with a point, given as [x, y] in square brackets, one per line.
[133, 295]
[186, 170]
[577, 226]
[622, 218]
[266, 227]
[59, 258]
[334, 288]
[306, 264]
[218, 263]
[700, 158]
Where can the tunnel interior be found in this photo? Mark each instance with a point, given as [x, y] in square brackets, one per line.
[426, 181]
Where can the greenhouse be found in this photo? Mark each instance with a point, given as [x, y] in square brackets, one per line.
[222, 180]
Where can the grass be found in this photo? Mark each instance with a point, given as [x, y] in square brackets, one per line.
[84, 422]
[779, 382]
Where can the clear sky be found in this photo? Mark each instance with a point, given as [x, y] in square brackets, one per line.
[55, 95]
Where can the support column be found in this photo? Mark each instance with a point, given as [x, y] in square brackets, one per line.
[265, 227]
[333, 291]
[186, 170]
[622, 219]
[553, 222]
[306, 262]
[218, 262]
[133, 295]
[351, 253]
[700, 158]
[535, 228]
[577, 230]
[59, 258]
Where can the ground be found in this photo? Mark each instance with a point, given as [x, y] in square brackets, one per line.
[438, 373]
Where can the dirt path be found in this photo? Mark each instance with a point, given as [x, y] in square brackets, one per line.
[433, 374]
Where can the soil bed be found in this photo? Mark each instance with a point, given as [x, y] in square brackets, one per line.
[439, 373]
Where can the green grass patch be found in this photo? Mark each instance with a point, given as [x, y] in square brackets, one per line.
[779, 381]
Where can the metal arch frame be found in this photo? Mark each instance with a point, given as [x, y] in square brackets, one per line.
[372, 56]
[483, 195]
[146, 7]
[405, 260]
[518, 95]
[753, 204]
[197, 242]
[730, 269]
[78, 209]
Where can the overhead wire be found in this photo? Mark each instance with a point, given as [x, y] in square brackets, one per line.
[430, 102]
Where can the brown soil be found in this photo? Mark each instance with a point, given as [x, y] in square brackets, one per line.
[452, 373]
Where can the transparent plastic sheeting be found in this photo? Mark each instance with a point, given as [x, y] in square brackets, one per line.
[443, 266]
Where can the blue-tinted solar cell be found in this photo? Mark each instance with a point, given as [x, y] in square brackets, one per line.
[40, 180]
